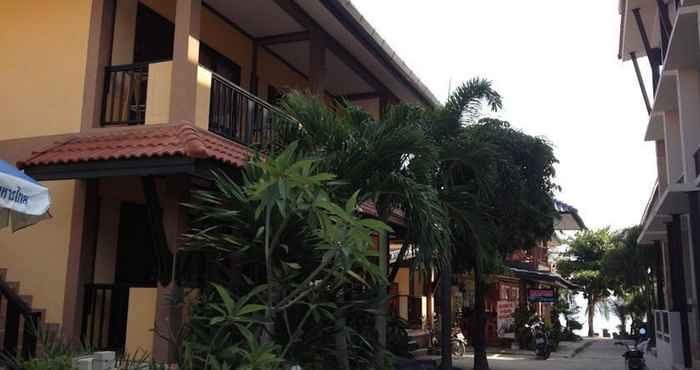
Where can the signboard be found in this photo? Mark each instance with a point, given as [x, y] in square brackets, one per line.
[505, 319]
[542, 295]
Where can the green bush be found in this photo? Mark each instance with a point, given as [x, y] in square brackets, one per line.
[397, 336]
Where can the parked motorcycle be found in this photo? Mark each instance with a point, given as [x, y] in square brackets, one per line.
[542, 346]
[459, 343]
[634, 355]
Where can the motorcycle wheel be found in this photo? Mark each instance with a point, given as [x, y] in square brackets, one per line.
[457, 349]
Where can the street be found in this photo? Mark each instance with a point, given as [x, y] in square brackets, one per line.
[600, 355]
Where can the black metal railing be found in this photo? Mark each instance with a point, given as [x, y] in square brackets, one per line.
[236, 114]
[21, 324]
[105, 308]
[124, 101]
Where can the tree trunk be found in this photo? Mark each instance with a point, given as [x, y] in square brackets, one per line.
[269, 331]
[446, 316]
[479, 320]
[591, 313]
[341, 345]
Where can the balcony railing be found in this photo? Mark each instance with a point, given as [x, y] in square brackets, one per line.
[125, 94]
[236, 114]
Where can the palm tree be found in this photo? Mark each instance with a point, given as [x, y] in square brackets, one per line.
[388, 161]
[464, 178]
[496, 184]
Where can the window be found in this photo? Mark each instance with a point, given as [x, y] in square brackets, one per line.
[219, 64]
[154, 38]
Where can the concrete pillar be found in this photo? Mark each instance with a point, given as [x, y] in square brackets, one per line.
[169, 311]
[317, 62]
[688, 88]
[672, 141]
[659, 274]
[185, 61]
[694, 226]
[680, 299]
[81, 256]
[124, 32]
[97, 58]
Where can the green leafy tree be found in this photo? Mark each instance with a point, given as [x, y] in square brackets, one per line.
[387, 162]
[496, 184]
[631, 269]
[296, 250]
[583, 265]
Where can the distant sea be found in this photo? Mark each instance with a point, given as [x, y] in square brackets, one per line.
[599, 322]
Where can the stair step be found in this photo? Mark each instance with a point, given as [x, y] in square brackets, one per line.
[52, 329]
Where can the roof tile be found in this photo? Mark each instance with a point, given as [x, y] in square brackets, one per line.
[148, 141]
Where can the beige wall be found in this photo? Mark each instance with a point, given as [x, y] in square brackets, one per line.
[36, 256]
[158, 92]
[141, 320]
[44, 45]
[402, 279]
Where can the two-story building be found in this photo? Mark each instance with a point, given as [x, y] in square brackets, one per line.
[665, 36]
[121, 107]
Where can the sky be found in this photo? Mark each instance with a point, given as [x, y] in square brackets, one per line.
[555, 63]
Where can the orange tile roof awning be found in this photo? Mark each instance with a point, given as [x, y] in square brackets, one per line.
[158, 142]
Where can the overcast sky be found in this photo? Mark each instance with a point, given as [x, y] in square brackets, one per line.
[555, 63]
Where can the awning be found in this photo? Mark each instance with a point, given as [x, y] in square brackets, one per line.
[544, 277]
[156, 149]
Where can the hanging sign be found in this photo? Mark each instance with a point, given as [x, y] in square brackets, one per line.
[542, 295]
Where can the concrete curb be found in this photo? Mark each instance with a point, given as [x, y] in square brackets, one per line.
[579, 349]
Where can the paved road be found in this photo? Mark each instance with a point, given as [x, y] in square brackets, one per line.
[600, 355]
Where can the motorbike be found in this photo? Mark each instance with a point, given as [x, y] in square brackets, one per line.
[459, 343]
[542, 347]
[634, 354]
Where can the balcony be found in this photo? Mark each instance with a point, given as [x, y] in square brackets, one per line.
[139, 94]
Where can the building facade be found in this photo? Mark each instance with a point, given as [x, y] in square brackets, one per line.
[120, 107]
[664, 35]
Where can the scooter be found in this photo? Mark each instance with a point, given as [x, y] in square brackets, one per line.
[634, 355]
[459, 343]
[542, 349]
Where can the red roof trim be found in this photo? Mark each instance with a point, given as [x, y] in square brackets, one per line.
[148, 141]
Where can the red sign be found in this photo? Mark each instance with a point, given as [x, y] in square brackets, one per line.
[542, 295]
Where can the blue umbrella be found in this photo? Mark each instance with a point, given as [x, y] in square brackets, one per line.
[23, 201]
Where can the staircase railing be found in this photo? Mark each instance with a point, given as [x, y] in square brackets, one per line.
[21, 323]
